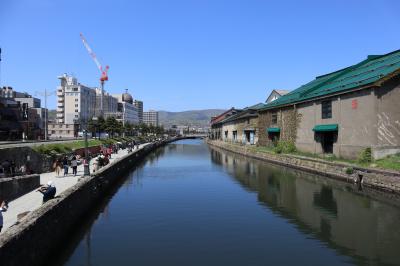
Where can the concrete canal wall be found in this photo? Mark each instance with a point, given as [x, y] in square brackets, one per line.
[388, 181]
[43, 230]
[36, 162]
[13, 187]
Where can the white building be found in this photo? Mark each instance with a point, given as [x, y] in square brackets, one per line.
[275, 94]
[126, 108]
[76, 103]
[110, 103]
[139, 106]
[150, 118]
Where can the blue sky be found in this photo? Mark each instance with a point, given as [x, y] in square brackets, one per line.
[182, 55]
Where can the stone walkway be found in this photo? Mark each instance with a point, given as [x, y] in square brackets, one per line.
[33, 199]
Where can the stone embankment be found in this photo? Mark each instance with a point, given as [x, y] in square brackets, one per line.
[384, 180]
[42, 231]
[13, 187]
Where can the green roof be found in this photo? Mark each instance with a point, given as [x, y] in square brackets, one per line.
[273, 130]
[326, 128]
[374, 68]
[244, 113]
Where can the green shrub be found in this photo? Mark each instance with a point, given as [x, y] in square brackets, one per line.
[365, 156]
[349, 170]
[285, 147]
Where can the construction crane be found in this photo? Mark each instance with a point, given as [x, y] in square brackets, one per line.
[103, 71]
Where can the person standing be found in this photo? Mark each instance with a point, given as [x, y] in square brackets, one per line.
[58, 166]
[22, 169]
[3, 208]
[65, 165]
[74, 165]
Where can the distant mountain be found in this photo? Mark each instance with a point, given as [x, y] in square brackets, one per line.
[199, 118]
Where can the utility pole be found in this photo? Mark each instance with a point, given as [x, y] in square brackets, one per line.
[45, 94]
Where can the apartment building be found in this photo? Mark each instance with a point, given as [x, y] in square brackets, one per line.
[139, 107]
[150, 118]
[76, 103]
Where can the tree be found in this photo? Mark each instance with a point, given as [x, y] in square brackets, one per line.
[112, 126]
[143, 128]
[128, 129]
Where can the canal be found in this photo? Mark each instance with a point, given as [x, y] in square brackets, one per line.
[188, 204]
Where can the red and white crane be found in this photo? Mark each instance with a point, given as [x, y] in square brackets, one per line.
[103, 71]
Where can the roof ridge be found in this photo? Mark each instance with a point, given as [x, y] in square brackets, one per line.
[339, 73]
[367, 71]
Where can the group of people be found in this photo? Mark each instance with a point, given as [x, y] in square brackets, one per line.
[9, 168]
[133, 145]
[65, 163]
[49, 190]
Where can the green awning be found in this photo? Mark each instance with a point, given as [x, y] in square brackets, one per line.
[326, 128]
[273, 130]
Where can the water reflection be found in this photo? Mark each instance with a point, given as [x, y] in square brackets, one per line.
[353, 224]
[187, 204]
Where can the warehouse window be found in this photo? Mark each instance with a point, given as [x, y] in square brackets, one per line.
[274, 118]
[326, 109]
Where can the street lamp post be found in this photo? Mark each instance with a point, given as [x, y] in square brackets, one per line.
[45, 94]
[86, 170]
[96, 121]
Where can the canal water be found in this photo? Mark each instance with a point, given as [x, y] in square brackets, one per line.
[188, 204]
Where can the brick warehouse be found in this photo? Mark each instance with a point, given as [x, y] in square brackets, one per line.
[342, 112]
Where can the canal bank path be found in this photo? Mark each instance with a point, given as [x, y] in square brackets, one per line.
[33, 199]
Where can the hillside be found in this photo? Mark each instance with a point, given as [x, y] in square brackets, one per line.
[199, 118]
[188, 118]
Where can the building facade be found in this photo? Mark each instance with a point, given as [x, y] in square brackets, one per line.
[242, 127]
[57, 130]
[128, 112]
[76, 103]
[341, 113]
[150, 118]
[110, 103]
[215, 132]
[21, 116]
[139, 107]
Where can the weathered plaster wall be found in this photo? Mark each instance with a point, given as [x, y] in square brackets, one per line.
[388, 119]
[240, 125]
[357, 125]
[353, 112]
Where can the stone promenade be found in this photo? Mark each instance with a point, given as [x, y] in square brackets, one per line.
[33, 199]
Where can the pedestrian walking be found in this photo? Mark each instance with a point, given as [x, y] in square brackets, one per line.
[74, 165]
[58, 164]
[65, 165]
[3, 208]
